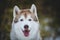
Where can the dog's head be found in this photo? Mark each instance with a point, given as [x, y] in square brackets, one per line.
[25, 20]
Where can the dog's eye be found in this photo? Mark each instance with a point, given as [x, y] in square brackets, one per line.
[29, 19]
[21, 19]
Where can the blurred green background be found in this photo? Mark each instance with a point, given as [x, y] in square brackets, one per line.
[47, 9]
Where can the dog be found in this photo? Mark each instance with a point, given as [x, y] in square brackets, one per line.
[25, 24]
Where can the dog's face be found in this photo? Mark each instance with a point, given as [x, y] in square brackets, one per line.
[25, 21]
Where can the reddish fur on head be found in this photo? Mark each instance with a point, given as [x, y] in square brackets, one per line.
[25, 12]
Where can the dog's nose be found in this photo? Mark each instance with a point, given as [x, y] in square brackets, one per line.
[26, 26]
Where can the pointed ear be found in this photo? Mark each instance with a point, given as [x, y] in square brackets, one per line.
[15, 11]
[34, 10]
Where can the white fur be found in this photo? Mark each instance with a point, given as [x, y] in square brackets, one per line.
[15, 9]
[16, 30]
[34, 10]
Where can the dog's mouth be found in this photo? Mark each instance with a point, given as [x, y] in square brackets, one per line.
[26, 32]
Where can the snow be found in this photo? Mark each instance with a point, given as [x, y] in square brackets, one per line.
[51, 38]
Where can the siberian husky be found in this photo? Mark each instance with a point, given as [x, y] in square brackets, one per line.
[25, 25]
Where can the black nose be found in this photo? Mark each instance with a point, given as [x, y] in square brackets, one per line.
[26, 26]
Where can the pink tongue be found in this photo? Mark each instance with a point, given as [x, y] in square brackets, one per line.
[26, 33]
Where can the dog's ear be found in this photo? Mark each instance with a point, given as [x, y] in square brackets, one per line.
[15, 11]
[34, 10]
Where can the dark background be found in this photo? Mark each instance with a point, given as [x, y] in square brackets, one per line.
[46, 8]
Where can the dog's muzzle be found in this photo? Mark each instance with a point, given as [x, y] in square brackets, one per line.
[26, 31]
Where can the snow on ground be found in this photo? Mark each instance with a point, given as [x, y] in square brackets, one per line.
[58, 38]
[51, 38]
